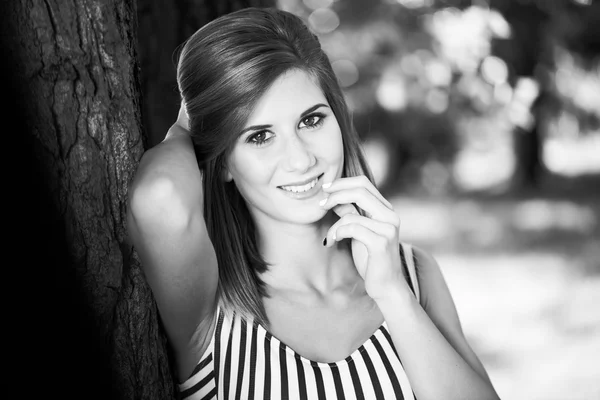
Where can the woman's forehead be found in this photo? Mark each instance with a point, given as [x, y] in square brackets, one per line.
[289, 95]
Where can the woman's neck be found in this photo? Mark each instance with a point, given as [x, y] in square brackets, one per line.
[299, 262]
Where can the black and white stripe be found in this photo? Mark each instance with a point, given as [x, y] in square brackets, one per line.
[244, 361]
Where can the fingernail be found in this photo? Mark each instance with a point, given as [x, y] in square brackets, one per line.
[322, 202]
[325, 242]
[326, 185]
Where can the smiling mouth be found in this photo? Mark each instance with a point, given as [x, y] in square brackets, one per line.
[302, 188]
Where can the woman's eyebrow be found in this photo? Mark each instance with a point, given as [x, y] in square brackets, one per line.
[313, 108]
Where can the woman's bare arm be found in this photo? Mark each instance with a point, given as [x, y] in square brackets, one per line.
[437, 302]
[428, 336]
[166, 226]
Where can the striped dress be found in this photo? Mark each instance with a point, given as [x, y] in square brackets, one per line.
[244, 361]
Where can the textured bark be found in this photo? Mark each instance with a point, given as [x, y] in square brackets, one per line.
[75, 65]
[74, 86]
[163, 26]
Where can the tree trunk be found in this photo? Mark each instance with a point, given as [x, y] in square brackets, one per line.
[76, 76]
[163, 26]
[525, 53]
[73, 88]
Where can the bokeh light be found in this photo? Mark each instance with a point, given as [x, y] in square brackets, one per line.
[415, 3]
[315, 4]
[437, 101]
[346, 72]
[494, 70]
[456, 102]
[391, 92]
[323, 20]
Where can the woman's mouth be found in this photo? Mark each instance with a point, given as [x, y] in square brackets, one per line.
[304, 190]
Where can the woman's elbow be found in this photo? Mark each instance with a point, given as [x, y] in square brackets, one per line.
[156, 203]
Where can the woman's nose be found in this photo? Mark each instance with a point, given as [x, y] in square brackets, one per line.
[298, 157]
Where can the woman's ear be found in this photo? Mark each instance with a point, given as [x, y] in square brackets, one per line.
[225, 172]
[227, 177]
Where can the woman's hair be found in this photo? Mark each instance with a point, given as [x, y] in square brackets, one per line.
[224, 69]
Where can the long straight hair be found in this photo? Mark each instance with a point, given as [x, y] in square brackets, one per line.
[223, 70]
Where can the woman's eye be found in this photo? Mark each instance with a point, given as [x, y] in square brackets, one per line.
[259, 138]
[312, 121]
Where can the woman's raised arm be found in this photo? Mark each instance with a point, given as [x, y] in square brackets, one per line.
[166, 226]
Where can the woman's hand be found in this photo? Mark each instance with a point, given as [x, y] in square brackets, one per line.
[432, 349]
[181, 127]
[182, 118]
[374, 236]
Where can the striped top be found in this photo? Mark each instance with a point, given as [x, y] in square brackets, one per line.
[245, 361]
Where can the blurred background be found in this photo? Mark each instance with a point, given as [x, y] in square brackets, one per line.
[481, 122]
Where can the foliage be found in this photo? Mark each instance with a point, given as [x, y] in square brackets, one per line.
[448, 82]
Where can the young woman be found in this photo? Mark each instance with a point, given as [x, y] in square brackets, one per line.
[274, 260]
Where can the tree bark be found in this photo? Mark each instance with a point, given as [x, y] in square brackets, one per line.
[73, 87]
[75, 69]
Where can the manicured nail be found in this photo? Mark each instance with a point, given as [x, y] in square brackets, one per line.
[326, 185]
[325, 242]
[322, 202]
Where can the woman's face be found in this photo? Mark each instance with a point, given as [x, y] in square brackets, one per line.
[289, 147]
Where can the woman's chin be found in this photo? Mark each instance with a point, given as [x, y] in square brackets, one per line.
[320, 217]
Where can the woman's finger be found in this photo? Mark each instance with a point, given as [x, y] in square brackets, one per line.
[344, 209]
[383, 230]
[366, 201]
[182, 118]
[354, 182]
[355, 230]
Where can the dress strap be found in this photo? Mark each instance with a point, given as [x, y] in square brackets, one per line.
[408, 259]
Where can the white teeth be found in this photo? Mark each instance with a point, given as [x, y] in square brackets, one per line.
[300, 189]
